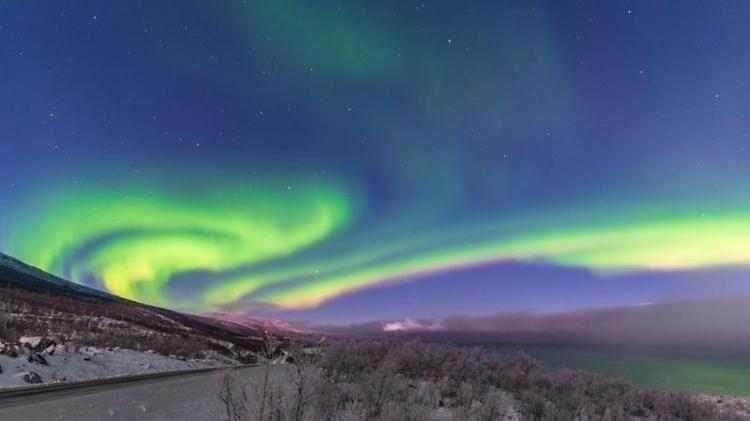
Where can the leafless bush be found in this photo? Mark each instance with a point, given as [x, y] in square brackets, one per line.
[495, 405]
[384, 381]
[110, 322]
[8, 331]
[288, 387]
[234, 398]
[404, 411]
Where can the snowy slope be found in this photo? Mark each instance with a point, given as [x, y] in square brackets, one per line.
[67, 364]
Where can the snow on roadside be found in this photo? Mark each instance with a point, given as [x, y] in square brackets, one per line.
[66, 364]
[735, 405]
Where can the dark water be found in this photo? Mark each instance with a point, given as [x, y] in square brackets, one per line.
[699, 373]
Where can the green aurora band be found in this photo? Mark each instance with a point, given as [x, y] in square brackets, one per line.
[135, 242]
[248, 245]
[443, 121]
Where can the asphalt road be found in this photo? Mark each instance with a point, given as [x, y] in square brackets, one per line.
[185, 396]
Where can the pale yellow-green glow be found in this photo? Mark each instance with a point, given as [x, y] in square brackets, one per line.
[243, 245]
[669, 244]
[135, 242]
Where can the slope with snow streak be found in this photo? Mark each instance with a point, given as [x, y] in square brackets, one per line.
[68, 365]
[39, 304]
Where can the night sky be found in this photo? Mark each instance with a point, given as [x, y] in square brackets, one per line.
[340, 161]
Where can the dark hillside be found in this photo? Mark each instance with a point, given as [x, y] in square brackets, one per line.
[35, 303]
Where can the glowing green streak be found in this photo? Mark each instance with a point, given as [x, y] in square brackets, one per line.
[136, 242]
[234, 289]
[672, 244]
[140, 239]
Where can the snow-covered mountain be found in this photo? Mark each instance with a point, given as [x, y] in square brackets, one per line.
[265, 324]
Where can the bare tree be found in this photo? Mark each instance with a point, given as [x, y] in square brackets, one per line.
[385, 380]
[7, 329]
[495, 405]
[271, 346]
[303, 361]
[233, 397]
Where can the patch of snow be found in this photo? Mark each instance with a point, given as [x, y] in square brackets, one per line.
[30, 341]
[257, 322]
[67, 364]
[409, 324]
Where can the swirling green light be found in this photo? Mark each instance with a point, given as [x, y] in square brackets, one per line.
[135, 241]
[244, 243]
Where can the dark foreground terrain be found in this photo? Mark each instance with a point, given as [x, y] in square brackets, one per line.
[396, 380]
[299, 379]
[35, 303]
[184, 397]
[375, 380]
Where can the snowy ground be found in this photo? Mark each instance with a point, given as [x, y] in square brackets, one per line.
[90, 363]
[737, 405]
[192, 397]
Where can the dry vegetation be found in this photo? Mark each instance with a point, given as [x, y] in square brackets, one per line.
[38, 304]
[112, 324]
[343, 380]
[383, 380]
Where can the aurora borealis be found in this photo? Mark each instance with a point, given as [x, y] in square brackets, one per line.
[348, 160]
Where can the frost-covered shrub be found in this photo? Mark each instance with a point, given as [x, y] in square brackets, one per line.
[393, 380]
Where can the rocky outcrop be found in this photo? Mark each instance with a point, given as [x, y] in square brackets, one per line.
[9, 350]
[31, 378]
[34, 347]
[38, 344]
[35, 358]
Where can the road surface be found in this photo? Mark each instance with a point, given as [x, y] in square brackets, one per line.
[184, 396]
